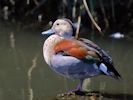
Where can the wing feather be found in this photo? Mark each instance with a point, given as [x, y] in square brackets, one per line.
[74, 48]
[104, 57]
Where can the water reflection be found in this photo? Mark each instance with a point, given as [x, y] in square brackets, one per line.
[19, 47]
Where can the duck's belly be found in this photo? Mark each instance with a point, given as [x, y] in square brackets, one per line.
[72, 67]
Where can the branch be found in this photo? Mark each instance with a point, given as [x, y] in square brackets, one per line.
[91, 17]
[78, 27]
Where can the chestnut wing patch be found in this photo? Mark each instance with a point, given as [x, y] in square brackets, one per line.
[73, 48]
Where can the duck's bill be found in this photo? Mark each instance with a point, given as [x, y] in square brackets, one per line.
[48, 32]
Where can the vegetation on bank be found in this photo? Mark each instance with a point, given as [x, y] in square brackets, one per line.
[111, 15]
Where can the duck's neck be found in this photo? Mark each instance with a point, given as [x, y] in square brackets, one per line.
[49, 45]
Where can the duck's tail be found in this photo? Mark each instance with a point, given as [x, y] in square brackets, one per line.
[110, 71]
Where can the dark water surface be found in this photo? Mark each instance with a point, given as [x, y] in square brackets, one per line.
[25, 76]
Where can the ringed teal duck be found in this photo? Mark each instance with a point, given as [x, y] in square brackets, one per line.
[75, 58]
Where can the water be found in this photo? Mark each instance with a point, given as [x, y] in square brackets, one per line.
[21, 50]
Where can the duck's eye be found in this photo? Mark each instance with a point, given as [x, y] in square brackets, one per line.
[57, 24]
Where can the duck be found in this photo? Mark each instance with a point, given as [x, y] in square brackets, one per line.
[75, 58]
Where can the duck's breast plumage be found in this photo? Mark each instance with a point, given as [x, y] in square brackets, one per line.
[48, 46]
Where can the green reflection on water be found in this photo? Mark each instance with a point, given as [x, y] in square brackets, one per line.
[18, 47]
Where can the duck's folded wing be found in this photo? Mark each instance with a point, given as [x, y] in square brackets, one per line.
[88, 52]
[76, 49]
[102, 54]
[104, 57]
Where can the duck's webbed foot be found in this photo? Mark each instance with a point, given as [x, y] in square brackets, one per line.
[79, 91]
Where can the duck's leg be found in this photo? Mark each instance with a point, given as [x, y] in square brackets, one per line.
[79, 86]
[78, 90]
[74, 92]
[81, 92]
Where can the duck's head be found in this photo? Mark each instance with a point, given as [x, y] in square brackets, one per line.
[62, 27]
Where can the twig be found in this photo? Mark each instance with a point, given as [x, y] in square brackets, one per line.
[104, 13]
[113, 9]
[79, 21]
[78, 27]
[129, 3]
[28, 2]
[36, 2]
[74, 9]
[91, 17]
[12, 2]
[40, 4]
